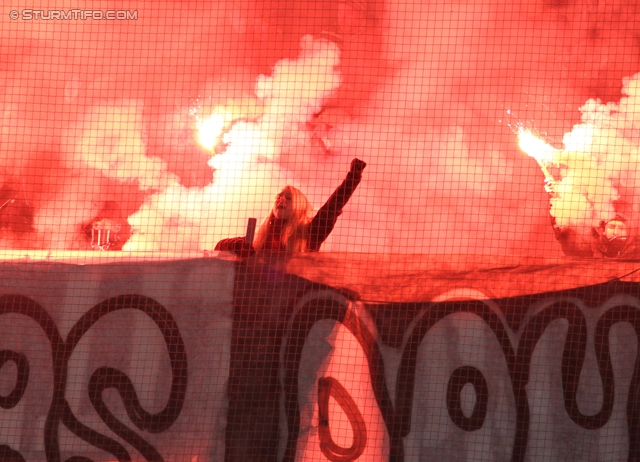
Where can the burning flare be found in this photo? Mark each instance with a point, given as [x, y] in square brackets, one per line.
[534, 147]
[210, 129]
[249, 137]
[597, 175]
[583, 195]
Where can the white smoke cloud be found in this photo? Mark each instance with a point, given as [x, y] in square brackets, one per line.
[248, 174]
[60, 216]
[599, 163]
[296, 89]
[110, 140]
[104, 147]
[427, 96]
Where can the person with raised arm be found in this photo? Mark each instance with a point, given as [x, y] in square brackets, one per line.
[289, 226]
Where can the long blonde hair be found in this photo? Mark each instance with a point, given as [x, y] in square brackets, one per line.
[294, 234]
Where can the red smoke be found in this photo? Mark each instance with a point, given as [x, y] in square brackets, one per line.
[430, 94]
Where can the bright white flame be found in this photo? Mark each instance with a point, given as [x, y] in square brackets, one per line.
[210, 130]
[535, 147]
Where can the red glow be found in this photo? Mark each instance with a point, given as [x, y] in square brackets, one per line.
[432, 113]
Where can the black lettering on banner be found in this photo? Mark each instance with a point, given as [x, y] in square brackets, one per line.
[460, 377]
[407, 370]
[102, 379]
[330, 387]
[13, 398]
[562, 306]
[9, 455]
[630, 314]
[518, 364]
[302, 322]
[22, 377]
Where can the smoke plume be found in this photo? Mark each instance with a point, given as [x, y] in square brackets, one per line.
[428, 93]
[599, 163]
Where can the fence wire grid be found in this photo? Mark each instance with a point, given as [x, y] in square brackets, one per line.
[275, 230]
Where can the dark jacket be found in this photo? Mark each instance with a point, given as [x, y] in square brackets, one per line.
[319, 228]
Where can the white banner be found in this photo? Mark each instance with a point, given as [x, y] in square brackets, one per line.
[127, 360]
[550, 377]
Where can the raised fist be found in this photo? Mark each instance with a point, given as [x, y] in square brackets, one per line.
[357, 166]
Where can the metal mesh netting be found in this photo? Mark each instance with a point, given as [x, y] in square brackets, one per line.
[348, 230]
